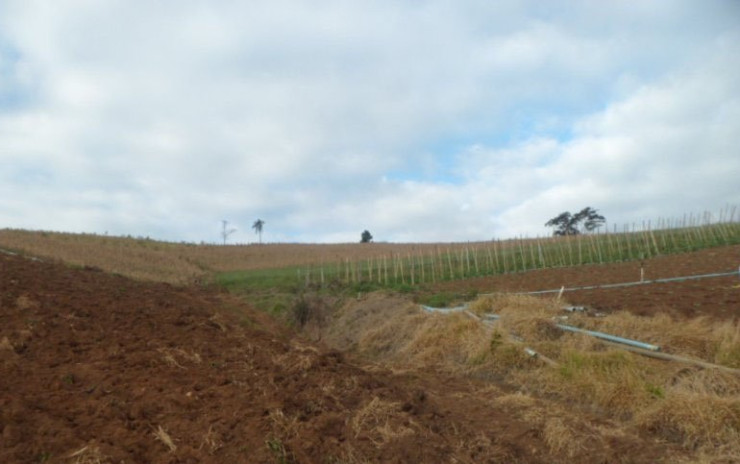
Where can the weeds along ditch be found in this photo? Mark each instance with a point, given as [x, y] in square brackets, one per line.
[696, 407]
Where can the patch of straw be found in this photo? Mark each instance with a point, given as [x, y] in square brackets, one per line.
[89, 455]
[696, 421]
[562, 437]
[282, 425]
[381, 421]
[212, 440]
[162, 435]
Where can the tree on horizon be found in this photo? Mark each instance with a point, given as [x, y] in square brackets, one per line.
[225, 232]
[366, 237]
[567, 223]
[257, 226]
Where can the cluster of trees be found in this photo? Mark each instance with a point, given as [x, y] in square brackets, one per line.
[570, 224]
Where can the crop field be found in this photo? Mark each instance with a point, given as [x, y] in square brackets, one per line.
[130, 350]
[380, 264]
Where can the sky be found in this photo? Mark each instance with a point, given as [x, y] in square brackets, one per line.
[420, 121]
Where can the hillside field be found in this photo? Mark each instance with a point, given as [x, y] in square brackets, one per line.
[123, 350]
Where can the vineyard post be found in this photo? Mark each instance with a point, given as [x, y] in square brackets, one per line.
[560, 253]
[592, 248]
[645, 240]
[459, 265]
[542, 255]
[465, 253]
[533, 261]
[655, 243]
[449, 261]
[495, 253]
[440, 261]
[663, 229]
[503, 258]
[490, 260]
[609, 246]
[619, 246]
[721, 232]
[521, 253]
[413, 268]
[671, 240]
[692, 231]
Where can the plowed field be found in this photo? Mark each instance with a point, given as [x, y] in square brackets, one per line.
[716, 297]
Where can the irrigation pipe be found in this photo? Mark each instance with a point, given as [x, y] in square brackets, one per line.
[488, 320]
[611, 338]
[630, 284]
[532, 353]
[634, 346]
[670, 357]
[432, 309]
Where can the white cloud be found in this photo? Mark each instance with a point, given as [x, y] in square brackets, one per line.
[442, 121]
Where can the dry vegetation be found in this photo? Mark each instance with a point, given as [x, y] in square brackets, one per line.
[698, 408]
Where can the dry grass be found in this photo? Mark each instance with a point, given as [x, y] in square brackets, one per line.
[283, 426]
[695, 420]
[162, 435]
[211, 441]
[89, 455]
[382, 421]
[563, 438]
[24, 303]
[170, 357]
[698, 408]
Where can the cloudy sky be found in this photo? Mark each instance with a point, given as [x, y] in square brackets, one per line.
[417, 120]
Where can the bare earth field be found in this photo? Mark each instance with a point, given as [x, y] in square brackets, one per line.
[717, 297]
[100, 368]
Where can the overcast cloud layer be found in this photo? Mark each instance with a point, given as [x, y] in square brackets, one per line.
[420, 121]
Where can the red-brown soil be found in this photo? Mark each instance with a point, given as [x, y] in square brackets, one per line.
[99, 368]
[716, 297]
